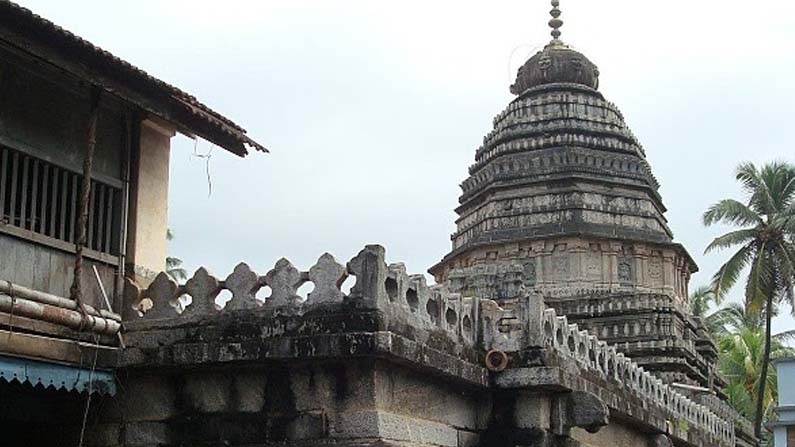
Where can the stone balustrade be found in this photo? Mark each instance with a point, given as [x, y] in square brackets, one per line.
[410, 305]
[406, 300]
[593, 354]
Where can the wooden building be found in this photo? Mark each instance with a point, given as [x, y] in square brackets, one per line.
[62, 98]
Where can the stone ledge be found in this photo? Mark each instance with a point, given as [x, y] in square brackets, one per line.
[381, 344]
[567, 377]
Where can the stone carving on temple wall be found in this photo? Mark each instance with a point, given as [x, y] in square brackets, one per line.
[625, 271]
[578, 266]
[530, 274]
[593, 263]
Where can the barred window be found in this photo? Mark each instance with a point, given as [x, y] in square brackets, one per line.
[41, 198]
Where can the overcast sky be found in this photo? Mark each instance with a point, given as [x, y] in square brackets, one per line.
[373, 109]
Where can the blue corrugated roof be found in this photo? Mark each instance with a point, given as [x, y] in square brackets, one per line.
[57, 376]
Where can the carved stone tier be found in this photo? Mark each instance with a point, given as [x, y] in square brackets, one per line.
[560, 160]
[631, 295]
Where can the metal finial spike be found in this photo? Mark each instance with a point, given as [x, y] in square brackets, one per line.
[555, 23]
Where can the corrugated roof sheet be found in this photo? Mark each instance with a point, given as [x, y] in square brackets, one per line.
[57, 376]
[42, 38]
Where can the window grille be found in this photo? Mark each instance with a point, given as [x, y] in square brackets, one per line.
[43, 198]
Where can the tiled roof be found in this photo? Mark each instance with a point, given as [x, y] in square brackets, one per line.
[41, 38]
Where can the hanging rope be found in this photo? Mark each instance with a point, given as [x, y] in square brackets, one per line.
[85, 194]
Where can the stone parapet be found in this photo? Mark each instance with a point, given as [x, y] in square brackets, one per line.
[391, 316]
[595, 356]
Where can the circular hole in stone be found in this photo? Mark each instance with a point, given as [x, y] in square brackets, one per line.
[451, 317]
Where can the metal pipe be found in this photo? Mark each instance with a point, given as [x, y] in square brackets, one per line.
[57, 315]
[496, 360]
[45, 298]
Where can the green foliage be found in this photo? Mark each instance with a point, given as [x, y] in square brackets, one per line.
[701, 299]
[764, 245]
[174, 265]
[741, 361]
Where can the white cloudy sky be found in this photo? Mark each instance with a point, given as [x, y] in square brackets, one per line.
[373, 109]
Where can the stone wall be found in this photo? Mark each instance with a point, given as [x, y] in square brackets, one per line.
[393, 362]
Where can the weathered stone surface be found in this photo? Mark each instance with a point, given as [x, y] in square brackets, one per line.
[533, 410]
[402, 391]
[203, 289]
[145, 434]
[249, 391]
[284, 280]
[306, 426]
[370, 271]
[327, 275]
[561, 200]
[402, 366]
[390, 426]
[162, 292]
[242, 283]
[661, 441]
[148, 398]
[207, 392]
[585, 410]
[468, 438]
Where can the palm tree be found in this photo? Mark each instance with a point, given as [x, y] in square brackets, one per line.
[701, 299]
[765, 240]
[174, 265]
[742, 364]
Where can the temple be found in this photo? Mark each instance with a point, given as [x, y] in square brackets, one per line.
[560, 318]
[562, 201]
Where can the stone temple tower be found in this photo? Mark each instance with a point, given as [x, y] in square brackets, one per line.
[562, 202]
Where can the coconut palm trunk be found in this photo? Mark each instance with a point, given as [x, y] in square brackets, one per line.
[760, 401]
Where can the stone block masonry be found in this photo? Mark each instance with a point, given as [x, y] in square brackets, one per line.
[394, 362]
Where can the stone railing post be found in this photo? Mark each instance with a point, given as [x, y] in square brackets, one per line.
[533, 310]
[370, 269]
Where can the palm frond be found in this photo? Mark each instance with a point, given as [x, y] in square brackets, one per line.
[730, 318]
[760, 199]
[732, 212]
[786, 257]
[732, 238]
[728, 273]
[778, 178]
[700, 300]
[788, 191]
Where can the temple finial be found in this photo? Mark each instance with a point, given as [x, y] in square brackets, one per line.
[555, 23]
